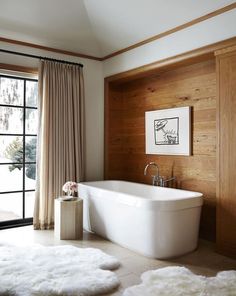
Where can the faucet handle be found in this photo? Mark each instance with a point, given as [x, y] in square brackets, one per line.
[168, 180]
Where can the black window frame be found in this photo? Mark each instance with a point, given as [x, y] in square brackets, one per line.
[21, 221]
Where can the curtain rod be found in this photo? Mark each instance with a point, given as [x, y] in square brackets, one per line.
[39, 57]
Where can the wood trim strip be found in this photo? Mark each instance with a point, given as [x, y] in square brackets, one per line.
[156, 37]
[61, 51]
[106, 128]
[18, 68]
[225, 50]
[174, 30]
[218, 167]
[198, 54]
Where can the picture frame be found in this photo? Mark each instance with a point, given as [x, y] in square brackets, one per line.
[168, 131]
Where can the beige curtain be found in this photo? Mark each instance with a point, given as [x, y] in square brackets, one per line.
[61, 153]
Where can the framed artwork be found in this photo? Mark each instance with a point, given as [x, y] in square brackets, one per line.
[168, 131]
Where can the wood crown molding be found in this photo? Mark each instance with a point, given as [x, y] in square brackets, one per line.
[18, 68]
[174, 30]
[61, 51]
[156, 37]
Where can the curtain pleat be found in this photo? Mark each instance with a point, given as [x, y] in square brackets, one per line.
[61, 137]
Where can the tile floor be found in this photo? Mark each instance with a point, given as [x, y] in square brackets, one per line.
[204, 260]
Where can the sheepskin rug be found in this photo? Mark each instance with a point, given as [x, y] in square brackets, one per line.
[57, 270]
[180, 281]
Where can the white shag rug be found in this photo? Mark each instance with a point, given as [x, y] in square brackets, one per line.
[59, 270]
[180, 281]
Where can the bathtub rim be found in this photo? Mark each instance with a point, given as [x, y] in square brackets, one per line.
[149, 204]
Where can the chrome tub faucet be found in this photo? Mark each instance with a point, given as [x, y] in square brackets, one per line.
[157, 180]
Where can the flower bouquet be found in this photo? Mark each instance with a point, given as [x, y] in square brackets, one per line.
[70, 188]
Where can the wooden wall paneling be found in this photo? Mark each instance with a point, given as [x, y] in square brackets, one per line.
[113, 130]
[226, 177]
[192, 85]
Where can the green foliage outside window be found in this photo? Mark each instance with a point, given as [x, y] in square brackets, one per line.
[15, 152]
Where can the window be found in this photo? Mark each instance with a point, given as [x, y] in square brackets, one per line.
[18, 139]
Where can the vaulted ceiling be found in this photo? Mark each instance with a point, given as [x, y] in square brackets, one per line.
[96, 27]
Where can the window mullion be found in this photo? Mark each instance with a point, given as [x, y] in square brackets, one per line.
[24, 120]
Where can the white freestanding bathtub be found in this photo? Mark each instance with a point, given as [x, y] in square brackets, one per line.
[154, 221]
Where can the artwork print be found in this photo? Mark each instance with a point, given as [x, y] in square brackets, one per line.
[168, 131]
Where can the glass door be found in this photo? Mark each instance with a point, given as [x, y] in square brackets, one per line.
[18, 139]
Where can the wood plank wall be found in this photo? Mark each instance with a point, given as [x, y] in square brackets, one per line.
[226, 185]
[126, 103]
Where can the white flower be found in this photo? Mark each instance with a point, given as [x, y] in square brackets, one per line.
[70, 187]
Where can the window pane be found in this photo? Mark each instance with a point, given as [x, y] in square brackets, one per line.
[11, 149]
[14, 120]
[31, 93]
[11, 91]
[31, 121]
[11, 205]
[30, 176]
[11, 177]
[29, 204]
[30, 149]
[11, 120]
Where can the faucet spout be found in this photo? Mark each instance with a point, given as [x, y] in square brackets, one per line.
[155, 178]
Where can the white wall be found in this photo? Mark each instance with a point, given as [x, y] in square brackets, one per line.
[210, 31]
[93, 77]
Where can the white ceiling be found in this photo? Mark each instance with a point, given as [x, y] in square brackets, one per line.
[96, 27]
